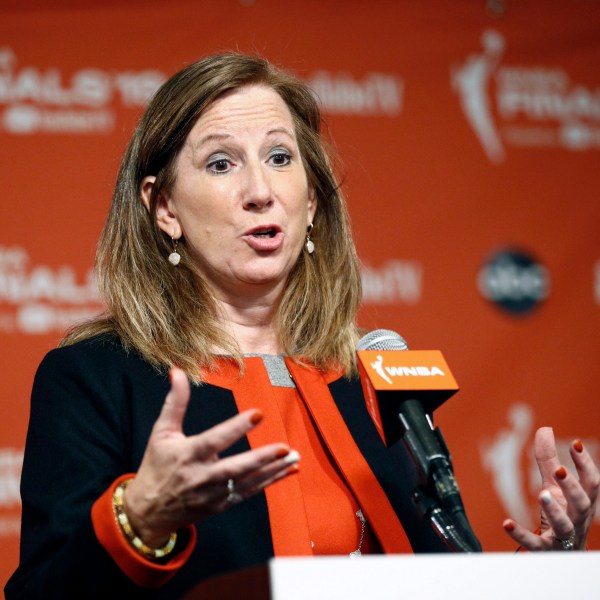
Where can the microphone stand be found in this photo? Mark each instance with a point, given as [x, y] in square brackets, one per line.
[438, 497]
[441, 521]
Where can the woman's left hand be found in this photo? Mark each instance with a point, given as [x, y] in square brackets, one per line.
[567, 502]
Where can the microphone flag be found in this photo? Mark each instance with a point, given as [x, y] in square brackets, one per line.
[391, 376]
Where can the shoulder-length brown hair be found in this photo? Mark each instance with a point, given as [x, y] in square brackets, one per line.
[168, 313]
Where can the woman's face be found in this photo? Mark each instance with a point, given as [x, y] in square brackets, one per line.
[241, 198]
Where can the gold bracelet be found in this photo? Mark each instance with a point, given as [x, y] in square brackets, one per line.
[129, 533]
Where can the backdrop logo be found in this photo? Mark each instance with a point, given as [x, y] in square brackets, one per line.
[35, 100]
[514, 280]
[596, 283]
[509, 459]
[375, 94]
[533, 106]
[395, 282]
[11, 461]
[38, 299]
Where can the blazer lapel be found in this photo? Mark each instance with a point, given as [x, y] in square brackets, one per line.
[313, 387]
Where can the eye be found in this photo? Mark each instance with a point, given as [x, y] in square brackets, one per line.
[220, 166]
[280, 158]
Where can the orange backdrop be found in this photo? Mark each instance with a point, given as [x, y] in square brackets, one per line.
[469, 139]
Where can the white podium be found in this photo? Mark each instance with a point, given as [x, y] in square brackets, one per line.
[494, 576]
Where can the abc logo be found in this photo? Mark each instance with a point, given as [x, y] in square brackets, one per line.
[514, 281]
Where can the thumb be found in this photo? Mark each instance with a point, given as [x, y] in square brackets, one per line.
[176, 402]
[545, 453]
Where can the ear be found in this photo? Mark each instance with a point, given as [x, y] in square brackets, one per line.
[164, 214]
[312, 205]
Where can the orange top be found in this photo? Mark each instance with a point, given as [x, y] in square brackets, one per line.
[330, 505]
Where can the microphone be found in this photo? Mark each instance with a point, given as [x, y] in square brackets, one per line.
[382, 339]
[393, 381]
[402, 388]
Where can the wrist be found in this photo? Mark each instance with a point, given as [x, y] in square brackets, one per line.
[142, 515]
[151, 545]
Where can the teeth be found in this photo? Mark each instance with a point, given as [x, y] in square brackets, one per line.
[264, 234]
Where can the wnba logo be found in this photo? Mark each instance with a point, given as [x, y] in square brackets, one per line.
[419, 367]
[386, 373]
[508, 458]
[517, 105]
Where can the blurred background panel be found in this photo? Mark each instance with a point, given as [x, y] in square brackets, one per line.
[467, 136]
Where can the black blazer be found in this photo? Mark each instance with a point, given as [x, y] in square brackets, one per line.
[92, 409]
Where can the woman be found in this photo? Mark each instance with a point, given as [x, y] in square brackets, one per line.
[226, 247]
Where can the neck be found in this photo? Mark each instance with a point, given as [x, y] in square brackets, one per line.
[251, 322]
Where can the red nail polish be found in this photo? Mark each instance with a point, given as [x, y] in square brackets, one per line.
[509, 526]
[282, 452]
[578, 446]
[293, 469]
[257, 417]
[560, 473]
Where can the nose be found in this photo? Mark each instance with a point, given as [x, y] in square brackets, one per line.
[257, 193]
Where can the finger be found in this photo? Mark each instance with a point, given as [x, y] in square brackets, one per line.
[251, 489]
[545, 454]
[175, 405]
[525, 538]
[589, 475]
[245, 489]
[578, 501]
[222, 436]
[253, 470]
[561, 524]
[251, 463]
[260, 476]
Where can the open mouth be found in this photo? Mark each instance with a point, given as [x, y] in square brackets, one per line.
[264, 233]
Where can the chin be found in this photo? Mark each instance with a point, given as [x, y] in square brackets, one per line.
[264, 278]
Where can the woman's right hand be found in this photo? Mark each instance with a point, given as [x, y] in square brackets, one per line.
[182, 479]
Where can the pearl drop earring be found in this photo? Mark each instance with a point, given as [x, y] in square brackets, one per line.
[174, 257]
[310, 246]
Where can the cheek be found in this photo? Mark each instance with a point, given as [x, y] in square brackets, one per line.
[200, 215]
